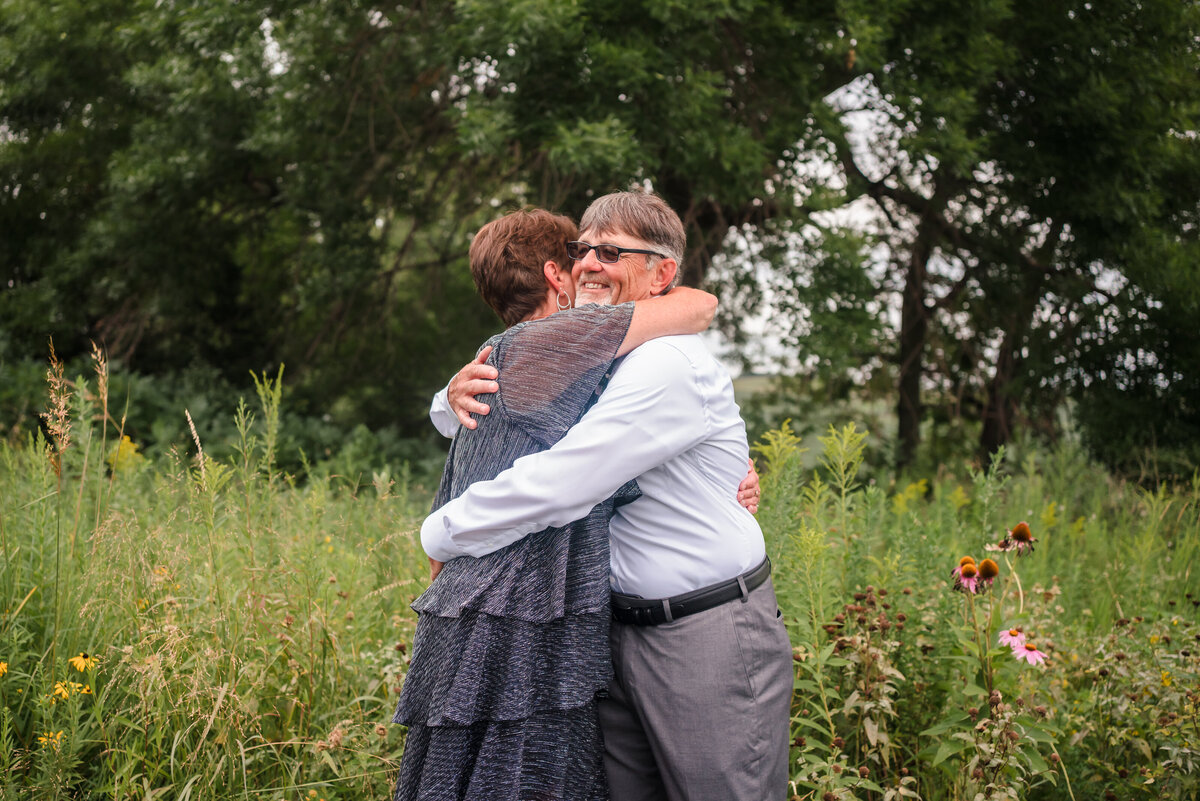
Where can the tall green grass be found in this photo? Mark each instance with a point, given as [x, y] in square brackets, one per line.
[243, 632]
[249, 631]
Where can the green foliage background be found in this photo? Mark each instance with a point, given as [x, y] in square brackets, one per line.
[976, 214]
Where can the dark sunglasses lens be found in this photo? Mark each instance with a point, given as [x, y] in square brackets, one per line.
[608, 253]
[576, 250]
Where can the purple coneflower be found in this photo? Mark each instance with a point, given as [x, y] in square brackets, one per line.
[1029, 652]
[957, 571]
[988, 570]
[968, 578]
[1014, 638]
[1019, 539]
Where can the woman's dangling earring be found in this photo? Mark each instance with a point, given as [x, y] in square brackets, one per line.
[563, 301]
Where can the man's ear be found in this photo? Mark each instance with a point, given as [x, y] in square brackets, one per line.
[664, 274]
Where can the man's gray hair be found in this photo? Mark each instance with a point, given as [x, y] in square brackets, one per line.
[644, 215]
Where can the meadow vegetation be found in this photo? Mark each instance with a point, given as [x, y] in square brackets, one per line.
[200, 627]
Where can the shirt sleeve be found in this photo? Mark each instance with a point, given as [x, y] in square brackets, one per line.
[442, 416]
[550, 369]
[652, 410]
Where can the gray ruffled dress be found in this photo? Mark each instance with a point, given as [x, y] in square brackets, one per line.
[511, 649]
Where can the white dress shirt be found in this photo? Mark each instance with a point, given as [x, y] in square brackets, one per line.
[442, 416]
[669, 420]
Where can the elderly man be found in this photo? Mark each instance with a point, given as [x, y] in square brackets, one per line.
[700, 702]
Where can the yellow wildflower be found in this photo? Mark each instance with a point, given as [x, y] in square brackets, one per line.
[61, 690]
[1166, 679]
[83, 662]
[124, 456]
[3, 668]
[53, 739]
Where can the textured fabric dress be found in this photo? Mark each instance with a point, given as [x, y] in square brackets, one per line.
[512, 648]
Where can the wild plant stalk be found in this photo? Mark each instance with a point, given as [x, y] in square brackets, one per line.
[58, 423]
[842, 456]
[100, 363]
[270, 395]
[811, 547]
[981, 645]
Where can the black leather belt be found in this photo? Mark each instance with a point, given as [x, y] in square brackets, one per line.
[653, 611]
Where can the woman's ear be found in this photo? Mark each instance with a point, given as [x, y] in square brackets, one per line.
[553, 275]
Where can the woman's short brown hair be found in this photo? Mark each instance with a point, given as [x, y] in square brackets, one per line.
[507, 256]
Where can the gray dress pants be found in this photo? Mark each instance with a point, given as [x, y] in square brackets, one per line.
[698, 709]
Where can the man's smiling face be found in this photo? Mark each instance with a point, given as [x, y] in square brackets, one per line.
[610, 284]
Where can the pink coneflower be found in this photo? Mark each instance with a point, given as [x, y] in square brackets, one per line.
[988, 570]
[1029, 652]
[968, 578]
[957, 571]
[1019, 539]
[1013, 638]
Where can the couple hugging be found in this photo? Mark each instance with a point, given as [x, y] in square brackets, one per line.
[601, 621]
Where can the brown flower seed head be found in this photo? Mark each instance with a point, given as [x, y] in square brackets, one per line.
[838, 742]
[977, 774]
[864, 772]
[1012, 735]
[969, 570]
[837, 768]
[966, 560]
[988, 569]
[1055, 758]
[828, 796]
[1021, 532]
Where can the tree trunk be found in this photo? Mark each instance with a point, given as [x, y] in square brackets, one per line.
[1001, 401]
[914, 327]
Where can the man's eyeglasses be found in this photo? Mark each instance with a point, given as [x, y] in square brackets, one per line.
[609, 254]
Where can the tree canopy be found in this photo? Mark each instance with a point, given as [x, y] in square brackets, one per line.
[987, 209]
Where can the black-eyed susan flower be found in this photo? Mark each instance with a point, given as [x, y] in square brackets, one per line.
[3, 668]
[1014, 638]
[1029, 652]
[83, 662]
[61, 690]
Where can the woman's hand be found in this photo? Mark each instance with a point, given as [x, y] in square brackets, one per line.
[476, 378]
[435, 567]
[749, 492]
